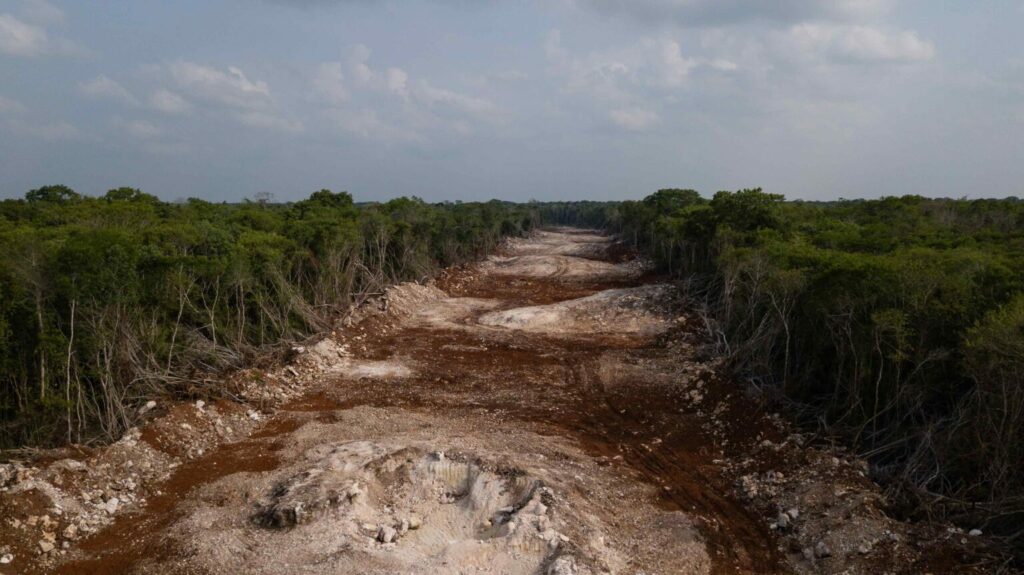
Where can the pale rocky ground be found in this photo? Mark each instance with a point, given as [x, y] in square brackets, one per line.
[547, 411]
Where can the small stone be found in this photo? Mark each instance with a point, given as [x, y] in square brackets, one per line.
[354, 493]
[46, 546]
[822, 550]
[71, 531]
[6, 558]
[200, 404]
[146, 408]
[793, 513]
[864, 549]
[415, 522]
[782, 521]
[111, 505]
[564, 565]
[974, 532]
[386, 534]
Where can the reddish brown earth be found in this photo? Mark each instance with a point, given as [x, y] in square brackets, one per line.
[646, 461]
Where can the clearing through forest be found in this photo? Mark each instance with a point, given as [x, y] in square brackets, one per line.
[545, 411]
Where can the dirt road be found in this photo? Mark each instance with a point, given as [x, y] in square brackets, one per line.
[542, 412]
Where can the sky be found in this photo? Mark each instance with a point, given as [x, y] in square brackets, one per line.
[517, 100]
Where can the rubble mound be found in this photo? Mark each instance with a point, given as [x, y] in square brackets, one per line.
[410, 297]
[360, 506]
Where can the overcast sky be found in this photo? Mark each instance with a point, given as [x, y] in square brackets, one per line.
[518, 99]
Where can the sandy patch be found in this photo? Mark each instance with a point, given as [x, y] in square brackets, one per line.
[619, 311]
[451, 312]
[387, 369]
[556, 266]
[549, 243]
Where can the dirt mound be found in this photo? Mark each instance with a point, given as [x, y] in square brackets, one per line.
[402, 505]
[620, 311]
[396, 301]
[416, 511]
[409, 297]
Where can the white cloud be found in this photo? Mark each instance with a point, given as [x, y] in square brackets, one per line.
[396, 82]
[471, 105]
[20, 39]
[358, 63]
[636, 119]
[700, 13]
[229, 87]
[553, 48]
[169, 103]
[104, 87]
[139, 129]
[329, 82]
[222, 92]
[673, 68]
[19, 119]
[58, 130]
[386, 104]
[366, 123]
[618, 74]
[509, 76]
[723, 65]
[42, 12]
[9, 107]
[859, 43]
[257, 119]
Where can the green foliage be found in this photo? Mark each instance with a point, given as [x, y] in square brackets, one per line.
[53, 194]
[107, 301]
[897, 323]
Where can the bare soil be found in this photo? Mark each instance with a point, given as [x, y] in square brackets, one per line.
[548, 411]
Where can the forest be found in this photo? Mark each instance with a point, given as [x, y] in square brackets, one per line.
[108, 301]
[895, 326]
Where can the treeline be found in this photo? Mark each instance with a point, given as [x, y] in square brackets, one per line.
[107, 301]
[896, 323]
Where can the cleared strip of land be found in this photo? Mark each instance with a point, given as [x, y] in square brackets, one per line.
[546, 411]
